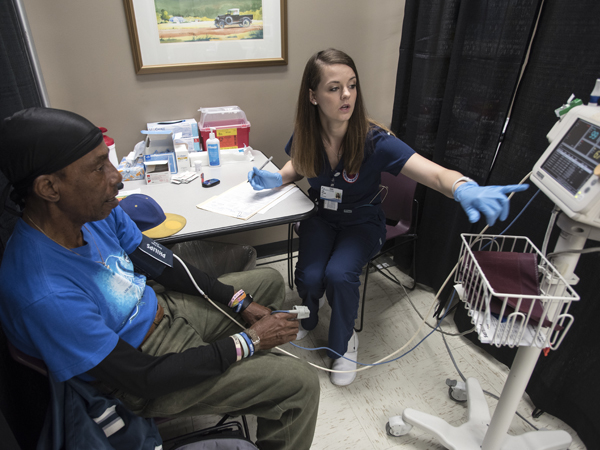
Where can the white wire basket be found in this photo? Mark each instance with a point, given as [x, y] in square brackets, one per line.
[530, 304]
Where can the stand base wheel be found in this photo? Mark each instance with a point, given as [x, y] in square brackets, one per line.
[472, 434]
[397, 427]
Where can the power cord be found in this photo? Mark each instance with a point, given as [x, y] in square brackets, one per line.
[378, 363]
[365, 366]
[450, 385]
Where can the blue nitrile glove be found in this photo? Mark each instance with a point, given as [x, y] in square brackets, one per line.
[263, 179]
[491, 201]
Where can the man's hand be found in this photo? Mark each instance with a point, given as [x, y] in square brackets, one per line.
[254, 312]
[276, 329]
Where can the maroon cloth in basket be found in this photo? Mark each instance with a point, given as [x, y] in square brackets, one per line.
[512, 273]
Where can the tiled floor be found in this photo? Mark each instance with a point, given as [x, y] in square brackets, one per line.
[355, 417]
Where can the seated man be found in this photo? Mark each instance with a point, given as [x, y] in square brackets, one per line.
[69, 295]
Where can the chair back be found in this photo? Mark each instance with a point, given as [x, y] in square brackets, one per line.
[398, 204]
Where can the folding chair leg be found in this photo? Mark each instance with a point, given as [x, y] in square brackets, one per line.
[414, 266]
[290, 256]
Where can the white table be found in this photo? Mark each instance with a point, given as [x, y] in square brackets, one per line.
[182, 199]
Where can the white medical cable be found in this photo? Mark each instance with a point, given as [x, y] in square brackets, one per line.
[395, 280]
[202, 292]
[291, 354]
[549, 228]
[484, 391]
[390, 356]
[583, 251]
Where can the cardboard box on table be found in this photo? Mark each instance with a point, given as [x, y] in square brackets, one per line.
[159, 147]
[184, 131]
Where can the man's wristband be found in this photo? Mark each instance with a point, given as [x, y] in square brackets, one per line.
[240, 301]
[238, 347]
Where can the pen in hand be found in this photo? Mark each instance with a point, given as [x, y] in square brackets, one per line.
[263, 166]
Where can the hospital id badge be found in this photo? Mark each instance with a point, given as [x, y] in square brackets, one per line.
[331, 197]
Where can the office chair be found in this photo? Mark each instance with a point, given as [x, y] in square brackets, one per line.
[237, 432]
[401, 211]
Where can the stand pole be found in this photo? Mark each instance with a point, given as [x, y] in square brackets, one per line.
[513, 390]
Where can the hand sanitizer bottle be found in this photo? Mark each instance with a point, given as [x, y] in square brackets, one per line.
[213, 147]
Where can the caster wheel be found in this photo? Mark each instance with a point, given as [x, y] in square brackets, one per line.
[397, 427]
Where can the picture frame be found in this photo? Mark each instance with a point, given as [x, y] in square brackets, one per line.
[185, 39]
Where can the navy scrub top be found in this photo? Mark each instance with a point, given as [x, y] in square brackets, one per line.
[383, 153]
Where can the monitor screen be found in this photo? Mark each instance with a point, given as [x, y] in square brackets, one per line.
[573, 160]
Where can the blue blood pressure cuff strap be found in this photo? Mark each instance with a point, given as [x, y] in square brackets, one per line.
[150, 258]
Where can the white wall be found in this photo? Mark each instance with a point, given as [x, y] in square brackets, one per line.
[87, 64]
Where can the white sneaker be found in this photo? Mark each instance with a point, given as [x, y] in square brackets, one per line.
[301, 333]
[344, 379]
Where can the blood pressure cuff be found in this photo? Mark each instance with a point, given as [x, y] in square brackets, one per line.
[151, 258]
[156, 263]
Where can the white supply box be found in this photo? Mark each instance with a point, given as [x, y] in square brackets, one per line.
[159, 147]
[157, 172]
[185, 130]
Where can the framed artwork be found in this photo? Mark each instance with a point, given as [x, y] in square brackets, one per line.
[182, 35]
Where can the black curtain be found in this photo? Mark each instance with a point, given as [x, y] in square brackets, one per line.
[564, 60]
[459, 65]
[18, 87]
[24, 394]
[458, 70]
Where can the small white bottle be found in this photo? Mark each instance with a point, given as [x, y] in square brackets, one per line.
[213, 147]
[595, 95]
[183, 157]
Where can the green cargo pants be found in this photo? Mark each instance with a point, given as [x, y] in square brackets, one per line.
[281, 391]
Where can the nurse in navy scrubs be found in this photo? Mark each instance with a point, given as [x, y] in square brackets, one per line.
[342, 153]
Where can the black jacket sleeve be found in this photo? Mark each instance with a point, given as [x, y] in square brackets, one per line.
[149, 376]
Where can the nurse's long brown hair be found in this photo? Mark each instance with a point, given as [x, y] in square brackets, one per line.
[307, 150]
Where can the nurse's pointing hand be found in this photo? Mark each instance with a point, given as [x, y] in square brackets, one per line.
[262, 179]
[491, 201]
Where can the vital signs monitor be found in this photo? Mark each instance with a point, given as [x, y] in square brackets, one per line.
[569, 170]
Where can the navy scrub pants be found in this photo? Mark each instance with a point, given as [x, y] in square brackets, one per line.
[330, 260]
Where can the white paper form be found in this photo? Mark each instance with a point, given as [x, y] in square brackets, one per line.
[242, 201]
[279, 200]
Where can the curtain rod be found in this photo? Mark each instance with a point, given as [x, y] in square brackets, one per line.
[32, 54]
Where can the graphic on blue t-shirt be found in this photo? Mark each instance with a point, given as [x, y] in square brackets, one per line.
[122, 287]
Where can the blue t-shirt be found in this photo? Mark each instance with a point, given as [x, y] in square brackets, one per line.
[360, 202]
[67, 308]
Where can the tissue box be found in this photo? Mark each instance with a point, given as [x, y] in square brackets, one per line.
[129, 171]
[187, 127]
[157, 172]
